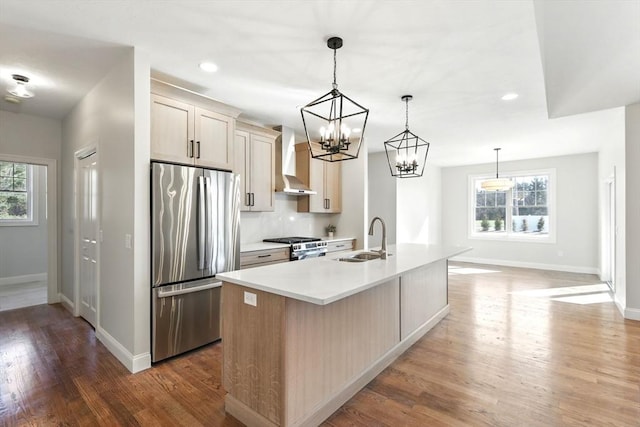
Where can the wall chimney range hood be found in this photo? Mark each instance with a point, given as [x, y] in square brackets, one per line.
[286, 180]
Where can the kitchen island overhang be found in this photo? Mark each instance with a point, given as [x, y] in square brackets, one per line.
[301, 338]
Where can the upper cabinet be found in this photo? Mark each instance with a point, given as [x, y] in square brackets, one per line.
[323, 177]
[255, 162]
[185, 128]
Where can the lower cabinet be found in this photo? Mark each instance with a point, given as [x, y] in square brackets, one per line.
[263, 257]
[341, 246]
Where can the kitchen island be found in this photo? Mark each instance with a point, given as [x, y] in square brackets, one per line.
[301, 338]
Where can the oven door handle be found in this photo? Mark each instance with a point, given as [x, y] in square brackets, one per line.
[172, 293]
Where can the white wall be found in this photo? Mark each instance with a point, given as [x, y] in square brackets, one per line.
[420, 207]
[114, 117]
[576, 247]
[611, 158]
[33, 137]
[351, 221]
[23, 249]
[632, 233]
[382, 197]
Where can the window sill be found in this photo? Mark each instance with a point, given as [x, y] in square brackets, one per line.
[502, 237]
[18, 223]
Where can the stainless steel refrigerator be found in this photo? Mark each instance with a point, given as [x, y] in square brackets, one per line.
[195, 234]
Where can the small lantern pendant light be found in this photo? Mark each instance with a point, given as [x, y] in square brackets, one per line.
[334, 123]
[406, 152]
[497, 184]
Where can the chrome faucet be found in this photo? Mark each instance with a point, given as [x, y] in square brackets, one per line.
[383, 250]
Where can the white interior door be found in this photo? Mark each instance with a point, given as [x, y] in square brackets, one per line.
[88, 235]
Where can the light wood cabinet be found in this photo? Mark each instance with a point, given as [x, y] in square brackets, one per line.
[323, 177]
[255, 162]
[185, 128]
[263, 257]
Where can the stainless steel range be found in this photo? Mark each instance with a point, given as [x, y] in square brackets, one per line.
[302, 247]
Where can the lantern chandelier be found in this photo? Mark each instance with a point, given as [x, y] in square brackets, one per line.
[406, 152]
[497, 184]
[334, 123]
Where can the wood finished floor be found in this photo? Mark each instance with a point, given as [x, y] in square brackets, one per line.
[512, 352]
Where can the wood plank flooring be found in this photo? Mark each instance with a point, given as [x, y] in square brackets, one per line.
[512, 352]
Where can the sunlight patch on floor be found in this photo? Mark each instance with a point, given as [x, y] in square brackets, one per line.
[586, 299]
[567, 290]
[584, 294]
[468, 270]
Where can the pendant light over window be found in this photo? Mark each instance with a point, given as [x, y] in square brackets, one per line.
[406, 152]
[334, 124]
[497, 184]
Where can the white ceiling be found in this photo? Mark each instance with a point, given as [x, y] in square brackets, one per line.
[457, 58]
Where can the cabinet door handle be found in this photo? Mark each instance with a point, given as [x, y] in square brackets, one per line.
[198, 144]
[264, 256]
[190, 148]
[339, 246]
[252, 199]
[247, 200]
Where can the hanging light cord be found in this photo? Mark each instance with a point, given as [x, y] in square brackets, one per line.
[406, 122]
[335, 62]
[497, 149]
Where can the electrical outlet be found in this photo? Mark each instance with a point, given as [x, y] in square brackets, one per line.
[127, 241]
[250, 299]
[560, 253]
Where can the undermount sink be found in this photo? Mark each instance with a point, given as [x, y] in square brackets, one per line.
[360, 257]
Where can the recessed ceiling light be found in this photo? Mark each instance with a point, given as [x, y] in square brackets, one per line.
[509, 96]
[209, 67]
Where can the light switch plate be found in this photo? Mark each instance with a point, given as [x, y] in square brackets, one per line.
[251, 299]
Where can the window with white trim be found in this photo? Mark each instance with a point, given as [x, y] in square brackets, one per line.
[525, 212]
[17, 189]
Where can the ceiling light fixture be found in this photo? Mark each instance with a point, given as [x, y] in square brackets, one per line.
[330, 121]
[509, 96]
[20, 88]
[406, 152]
[497, 184]
[209, 67]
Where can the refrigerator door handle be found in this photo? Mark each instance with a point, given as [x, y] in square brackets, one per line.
[202, 214]
[210, 229]
[172, 293]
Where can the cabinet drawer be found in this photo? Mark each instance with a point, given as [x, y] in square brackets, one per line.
[270, 256]
[342, 245]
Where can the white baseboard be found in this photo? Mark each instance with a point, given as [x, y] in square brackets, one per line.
[632, 313]
[522, 264]
[14, 280]
[133, 363]
[66, 303]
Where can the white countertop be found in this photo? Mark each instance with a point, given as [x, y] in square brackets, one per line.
[324, 280]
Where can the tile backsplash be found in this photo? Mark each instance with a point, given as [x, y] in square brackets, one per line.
[283, 222]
